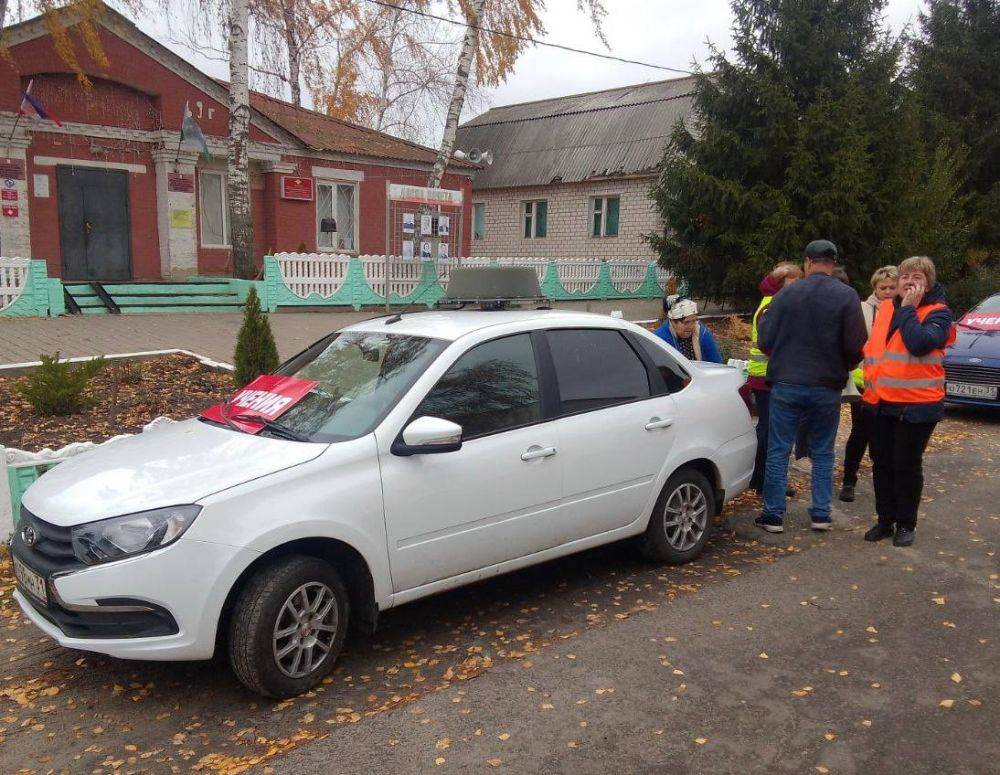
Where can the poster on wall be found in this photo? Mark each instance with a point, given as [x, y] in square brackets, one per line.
[426, 227]
[444, 225]
[407, 250]
[182, 219]
[443, 251]
[409, 223]
[425, 251]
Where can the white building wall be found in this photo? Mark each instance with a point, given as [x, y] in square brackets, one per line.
[570, 208]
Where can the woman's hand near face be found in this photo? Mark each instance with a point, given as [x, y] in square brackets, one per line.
[913, 294]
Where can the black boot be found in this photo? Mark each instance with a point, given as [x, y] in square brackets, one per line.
[903, 537]
[847, 493]
[878, 532]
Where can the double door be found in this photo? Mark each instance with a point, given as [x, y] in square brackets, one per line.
[94, 224]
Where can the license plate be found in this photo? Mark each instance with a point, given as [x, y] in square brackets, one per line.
[33, 583]
[972, 391]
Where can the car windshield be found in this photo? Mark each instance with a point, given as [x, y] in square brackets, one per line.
[992, 304]
[360, 375]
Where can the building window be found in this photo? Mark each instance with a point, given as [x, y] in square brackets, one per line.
[536, 216]
[340, 202]
[214, 210]
[479, 220]
[605, 216]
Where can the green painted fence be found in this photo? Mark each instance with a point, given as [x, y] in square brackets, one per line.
[27, 290]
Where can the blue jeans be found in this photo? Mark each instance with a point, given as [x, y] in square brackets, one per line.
[818, 409]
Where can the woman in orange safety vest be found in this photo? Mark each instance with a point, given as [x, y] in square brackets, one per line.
[904, 389]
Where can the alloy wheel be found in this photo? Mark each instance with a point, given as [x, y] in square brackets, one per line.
[685, 517]
[305, 629]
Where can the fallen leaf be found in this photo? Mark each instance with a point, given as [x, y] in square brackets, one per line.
[830, 736]
[494, 762]
[763, 655]
[439, 761]
[701, 740]
[938, 600]
[504, 736]
[956, 678]
[442, 744]
[946, 703]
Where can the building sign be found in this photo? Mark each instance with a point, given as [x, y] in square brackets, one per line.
[10, 211]
[8, 195]
[177, 181]
[41, 185]
[182, 219]
[12, 169]
[296, 188]
[399, 192]
[267, 397]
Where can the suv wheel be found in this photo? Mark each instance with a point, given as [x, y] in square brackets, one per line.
[682, 519]
[288, 626]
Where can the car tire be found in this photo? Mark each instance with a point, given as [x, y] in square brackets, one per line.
[296, 605]
[681, 521]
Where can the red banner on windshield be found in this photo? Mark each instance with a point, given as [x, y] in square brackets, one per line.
[269, 396]
[987, 320]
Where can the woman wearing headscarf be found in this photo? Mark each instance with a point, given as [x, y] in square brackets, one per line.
[683, 331]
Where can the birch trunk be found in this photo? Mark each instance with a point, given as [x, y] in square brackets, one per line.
[458, 95]
[294, 51]
[238, 189]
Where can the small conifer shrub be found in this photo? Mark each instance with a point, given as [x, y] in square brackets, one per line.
[256, 352]
[60, 388]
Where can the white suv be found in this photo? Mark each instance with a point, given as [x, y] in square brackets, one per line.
[435, 450]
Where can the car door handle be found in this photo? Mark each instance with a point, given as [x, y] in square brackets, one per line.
[534, 452]
[656, 422]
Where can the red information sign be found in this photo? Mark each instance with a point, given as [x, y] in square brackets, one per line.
[990, 321]
[10, 211]
[296, 188]
[8, 195]
[269, 396]
[179, 182]
[12, 169]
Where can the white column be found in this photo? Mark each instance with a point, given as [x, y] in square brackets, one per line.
[15, 222]
[175, 211]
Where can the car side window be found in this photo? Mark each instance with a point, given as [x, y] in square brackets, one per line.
[675, 378]
[493, 387]
[596, 368]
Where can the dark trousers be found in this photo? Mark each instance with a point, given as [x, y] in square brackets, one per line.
[857, 442]
[802, 442]
[762, 400]
[897, 450]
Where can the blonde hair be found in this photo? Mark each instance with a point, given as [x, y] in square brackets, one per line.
[884, 273]
[920, 264]
[786, 269]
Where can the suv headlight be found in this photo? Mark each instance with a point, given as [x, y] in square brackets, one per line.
[118, 537]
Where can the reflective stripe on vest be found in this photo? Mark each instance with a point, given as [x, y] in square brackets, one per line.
[757, 362]
[895, 375]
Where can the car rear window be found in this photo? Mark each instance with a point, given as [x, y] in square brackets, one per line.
[596, 368]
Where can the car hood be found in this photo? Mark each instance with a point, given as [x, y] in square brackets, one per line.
[179, 463]
[974, 344]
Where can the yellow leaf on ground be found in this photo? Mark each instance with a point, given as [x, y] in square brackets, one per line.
[442, 744]
[946, 703]
[938, 600]
[763, 655]
[494, 762]
[820, 768]
[830, 736]
[504, 736]
[439, 761]
[871, 629]
[956, 678]
[701, 740]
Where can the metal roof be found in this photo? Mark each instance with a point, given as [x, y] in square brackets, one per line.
[610, 133]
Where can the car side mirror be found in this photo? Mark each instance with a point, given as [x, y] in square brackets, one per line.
[428, 436]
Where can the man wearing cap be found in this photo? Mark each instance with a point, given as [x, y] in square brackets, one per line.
[683, 331]
[813, 333]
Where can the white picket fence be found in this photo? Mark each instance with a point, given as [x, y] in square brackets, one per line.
[308, 273]
[13, 279]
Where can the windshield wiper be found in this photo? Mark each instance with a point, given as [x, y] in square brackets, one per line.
[275, 427]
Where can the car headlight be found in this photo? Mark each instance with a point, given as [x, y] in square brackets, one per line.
[118, 537]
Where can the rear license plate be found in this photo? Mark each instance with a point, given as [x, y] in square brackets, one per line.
[32, 582]
[972, 391]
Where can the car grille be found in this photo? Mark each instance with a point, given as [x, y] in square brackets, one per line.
[977, 375]
[53, 547]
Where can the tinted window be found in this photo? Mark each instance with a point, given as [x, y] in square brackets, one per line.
[596, 368]
[491, 388]
[673, 375]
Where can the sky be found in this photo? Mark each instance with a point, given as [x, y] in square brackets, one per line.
[673, 33]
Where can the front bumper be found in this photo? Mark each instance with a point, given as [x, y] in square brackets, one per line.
[179, 589]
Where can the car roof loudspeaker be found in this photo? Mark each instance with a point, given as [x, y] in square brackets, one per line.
[492, 287]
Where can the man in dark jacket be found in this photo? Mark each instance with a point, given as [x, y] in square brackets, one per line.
[813, 333]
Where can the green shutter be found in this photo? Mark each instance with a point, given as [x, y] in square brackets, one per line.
[611, 228]
[541, 218]
[527, 220]
[479, 221]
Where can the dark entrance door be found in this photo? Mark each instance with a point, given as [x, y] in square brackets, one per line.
[94, 224]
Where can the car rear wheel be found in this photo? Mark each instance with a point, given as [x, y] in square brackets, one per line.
[288, 626]
[682, 519]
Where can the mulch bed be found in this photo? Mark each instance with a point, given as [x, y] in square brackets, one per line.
[176, 386]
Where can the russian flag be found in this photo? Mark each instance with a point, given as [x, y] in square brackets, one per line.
[32, 107]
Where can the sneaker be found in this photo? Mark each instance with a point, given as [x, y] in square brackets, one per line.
[803, 465]
[770, 524]
[879, 531]
[822, 523]
[847, 493]
[903, 537]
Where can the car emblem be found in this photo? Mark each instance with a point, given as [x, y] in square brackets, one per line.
[29, 535]
[975, 360]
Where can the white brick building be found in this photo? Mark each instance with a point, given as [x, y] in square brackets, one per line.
[571, 175]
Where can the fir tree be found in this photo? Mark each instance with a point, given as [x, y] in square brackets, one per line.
[256, 352]
[808, 132]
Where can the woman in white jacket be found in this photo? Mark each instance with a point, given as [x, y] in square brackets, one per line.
[883, 287]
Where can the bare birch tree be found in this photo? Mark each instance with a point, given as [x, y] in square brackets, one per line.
[238, 165]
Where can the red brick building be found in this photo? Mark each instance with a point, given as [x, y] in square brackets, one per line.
[110, 195]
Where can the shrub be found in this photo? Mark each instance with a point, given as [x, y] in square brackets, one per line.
[966, 293]
[256, 352]
[59, 388]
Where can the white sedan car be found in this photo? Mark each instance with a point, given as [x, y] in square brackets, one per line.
[435, 449]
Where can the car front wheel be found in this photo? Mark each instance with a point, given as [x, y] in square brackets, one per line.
[288, 626]
[682, 519]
